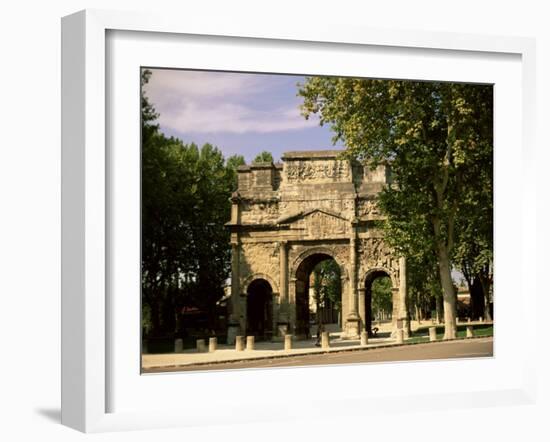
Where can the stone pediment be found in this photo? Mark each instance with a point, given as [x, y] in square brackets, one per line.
[317, 223]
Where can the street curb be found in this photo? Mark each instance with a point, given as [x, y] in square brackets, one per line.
[336, 350]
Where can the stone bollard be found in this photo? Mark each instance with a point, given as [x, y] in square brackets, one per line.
[325, 341]
[469, 320]
[239, 343]
[250, 342]
[457, 321]
[481, 319]
[288, 342]
[201, 345]
[364, 338]
[399, 336]
[178, 345]
[469, 331]
[433, 334]
[212, 344]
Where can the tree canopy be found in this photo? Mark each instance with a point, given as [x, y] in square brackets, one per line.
[438, 139]
[185, 204]
[264, 157]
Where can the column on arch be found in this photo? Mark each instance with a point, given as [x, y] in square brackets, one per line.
[283, 315]
[234, 325]
[352, 322]
[402, 312]
[362, 306]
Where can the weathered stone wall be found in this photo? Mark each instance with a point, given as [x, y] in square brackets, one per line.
[259, 259]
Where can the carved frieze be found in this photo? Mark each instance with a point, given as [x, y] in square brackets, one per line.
[259, 212]
[374, 253]
[322, 225]
[367, 208]
[322, 171]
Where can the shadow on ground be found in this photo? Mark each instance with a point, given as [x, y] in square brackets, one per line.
[51, 414]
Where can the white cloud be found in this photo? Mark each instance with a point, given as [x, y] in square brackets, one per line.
[165, 83]
[233, 118]
[202, 102]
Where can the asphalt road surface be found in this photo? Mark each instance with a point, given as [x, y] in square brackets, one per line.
[471, 348]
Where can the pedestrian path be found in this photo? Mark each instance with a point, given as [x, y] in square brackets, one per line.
[268, 349]
[225, 353]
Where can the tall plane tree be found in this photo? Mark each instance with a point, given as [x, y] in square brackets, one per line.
[185, 205]
[432, 133]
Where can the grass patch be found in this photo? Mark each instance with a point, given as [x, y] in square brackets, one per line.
[422, 334]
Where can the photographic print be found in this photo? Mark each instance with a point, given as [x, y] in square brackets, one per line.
[298, 220]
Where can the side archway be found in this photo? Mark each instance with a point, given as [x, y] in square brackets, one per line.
[259, 309]
[377, 270]
[247, 281]
[381, 304]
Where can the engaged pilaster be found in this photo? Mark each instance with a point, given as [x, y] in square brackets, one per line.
[352, 322]
[283, 289]
[403, 316]
[233, 328]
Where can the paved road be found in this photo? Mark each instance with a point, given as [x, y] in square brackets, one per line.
[473, 348]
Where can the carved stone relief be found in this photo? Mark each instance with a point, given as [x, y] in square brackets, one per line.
[367, 208]
[259, 258]
[303, 171]
[259, 212]
[374, 253]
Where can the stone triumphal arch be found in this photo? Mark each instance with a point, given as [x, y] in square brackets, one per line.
[287, 217]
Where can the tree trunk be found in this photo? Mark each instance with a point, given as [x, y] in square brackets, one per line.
[438, 308]
[155, 318]
[449, 295]
[485, 286]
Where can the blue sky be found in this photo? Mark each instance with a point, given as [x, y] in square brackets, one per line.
[240, 113]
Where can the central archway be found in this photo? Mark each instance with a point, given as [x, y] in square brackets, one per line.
[312, 305]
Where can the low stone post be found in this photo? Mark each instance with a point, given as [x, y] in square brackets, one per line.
[201, 345]
[399, 336]
[469, 319]
[250, 342]
[239, 343]
[469, 331]
[364, 338]
[212, 344]
[433, 334]
[457, 320]
[481, 319]
[178, 345]
[325, 342]
[288, 342]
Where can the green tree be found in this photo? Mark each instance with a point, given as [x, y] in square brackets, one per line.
[327, 287]
[381, 300]
[264, 157]
[433, 134]
[185, 204]
[473, 253]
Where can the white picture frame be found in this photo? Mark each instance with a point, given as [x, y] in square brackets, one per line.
[87, 358]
